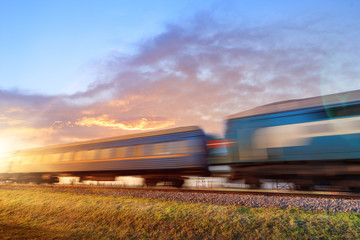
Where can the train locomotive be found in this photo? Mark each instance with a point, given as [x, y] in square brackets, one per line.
[308, 142]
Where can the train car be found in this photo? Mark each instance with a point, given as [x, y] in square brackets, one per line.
[312, 141]
[166, 155]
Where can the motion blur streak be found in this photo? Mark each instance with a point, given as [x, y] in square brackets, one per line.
[143, 124]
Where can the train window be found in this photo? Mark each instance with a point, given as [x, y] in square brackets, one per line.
[57, 157]
[129, 151]
[113, 152]
[168, 148]
[181, 147]
[90, 154]
[138, 150]
[76, 156]
[148, 149]
[106, 153]
[68, 156]
[195, 145]
[153, 149]
[163, 148]
[158, 149]
[79, 155]
[98, 153]
[174, 147]
[343, 111]
[120, 152]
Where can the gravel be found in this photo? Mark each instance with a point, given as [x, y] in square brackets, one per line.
[251, 201]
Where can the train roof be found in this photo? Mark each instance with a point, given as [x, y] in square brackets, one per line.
[297, 104]
[118, 138]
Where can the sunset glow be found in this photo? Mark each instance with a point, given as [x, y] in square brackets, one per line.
[142, 124]
[4, 148]
[181, 64]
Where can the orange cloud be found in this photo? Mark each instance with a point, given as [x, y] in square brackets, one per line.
[11, 122]
[61, 124]
[142, 124]
[87, 112]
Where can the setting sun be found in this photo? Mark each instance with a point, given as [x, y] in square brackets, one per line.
[180, 119]
[4, 150]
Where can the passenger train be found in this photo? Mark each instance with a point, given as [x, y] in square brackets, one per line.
[166, 155]
[308, 142]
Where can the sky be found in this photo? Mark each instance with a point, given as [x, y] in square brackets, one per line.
[79, 70]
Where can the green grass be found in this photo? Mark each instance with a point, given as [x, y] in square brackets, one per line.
[38, 213]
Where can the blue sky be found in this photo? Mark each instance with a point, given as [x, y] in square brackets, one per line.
[76, 70]
[49, 46]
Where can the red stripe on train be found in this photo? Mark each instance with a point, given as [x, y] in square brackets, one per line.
[220, 143]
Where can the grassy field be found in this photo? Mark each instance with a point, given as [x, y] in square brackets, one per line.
[39, 213]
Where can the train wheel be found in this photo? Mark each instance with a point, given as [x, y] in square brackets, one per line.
[254, 183]
[178, 183]
[355, 189]
[304, 187]
[149, 182]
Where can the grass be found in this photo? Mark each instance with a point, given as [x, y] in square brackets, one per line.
[39, 213]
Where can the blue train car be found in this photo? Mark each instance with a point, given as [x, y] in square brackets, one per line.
[165, 155]
[313, 141]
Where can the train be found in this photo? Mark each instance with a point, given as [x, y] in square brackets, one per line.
[165, 155]
[308, 142]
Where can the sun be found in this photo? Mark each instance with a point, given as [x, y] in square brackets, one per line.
[5, 149]
[2, 149]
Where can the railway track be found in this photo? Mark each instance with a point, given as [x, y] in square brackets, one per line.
[269, 193]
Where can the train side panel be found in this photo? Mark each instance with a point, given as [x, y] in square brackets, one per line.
[306, 145]
[180, 152]
[305, 135]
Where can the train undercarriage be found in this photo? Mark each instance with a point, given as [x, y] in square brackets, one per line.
[175, 177]
[305, 175]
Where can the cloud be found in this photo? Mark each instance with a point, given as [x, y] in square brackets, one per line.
[9, 121]
[142, 124]
[194, 73]
[202, 71]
